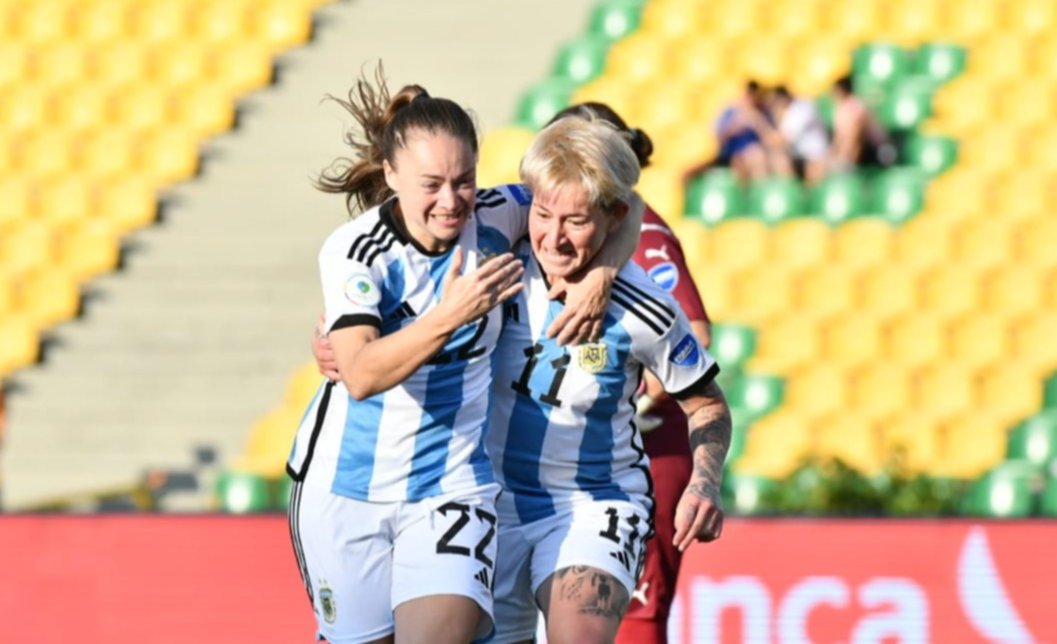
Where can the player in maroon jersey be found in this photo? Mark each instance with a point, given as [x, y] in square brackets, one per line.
[660, 420]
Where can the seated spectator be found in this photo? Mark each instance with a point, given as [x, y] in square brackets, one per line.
[742, 129]
[802, 143]
[858, 138]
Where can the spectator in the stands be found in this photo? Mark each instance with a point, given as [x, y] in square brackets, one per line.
[859, 139]
[802, 143]
[742, 129]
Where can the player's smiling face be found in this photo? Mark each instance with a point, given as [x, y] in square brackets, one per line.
[566, 231]
[434, 177]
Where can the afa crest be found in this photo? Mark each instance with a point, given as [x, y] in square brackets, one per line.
[592, 357]
[326, 602]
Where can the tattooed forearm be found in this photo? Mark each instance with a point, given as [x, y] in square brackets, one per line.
[595, 592]
[710, 428]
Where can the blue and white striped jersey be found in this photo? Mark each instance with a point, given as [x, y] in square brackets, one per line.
[561, 427]
[423, 437]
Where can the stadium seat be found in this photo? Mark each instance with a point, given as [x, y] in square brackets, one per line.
[963, 106]
[736, 244]
[761, 291]
[500, 155]
[26, 107]
[128, 202]
[303, 385]
[140, 106]
[281, 24]
[863, 242]
[30, 247]
[1049, 393]
[714, 197]
[666, 105]
[907, 104]
[824, 291]
[282, 494]
[14, 203]
[701, 60]
[768, 61]
[106, 152]
[1035, 440]
[1027, 103]
[910, 438]
[60, 64]
[984, 243]
[881, 390]
[837, 198]
[243, 493]
[19, 344]
[888, 291]
[818, 390]
[940, 61]
[945, 389]
[1031, 17]
[638, 58]
[852, 438]
[243, 66]
[614, 92]
[49, 297]
[971, 23]
[923, 243]
[1001, 55]
[880, 62]
[732, 345]
[662, 188]
[958, 192]
[916, 340]
[932, 154]
[220, 22]
[799, 244]
[736, 19]
[204, 109]
[14, 63]
[972, 442]
[270, 439]
[852, 339]
[1020, 196]
[46, 153]
[775, 446]
[775, 200]
[43, 22]
[1009, 391]
[819, 60]
[951, 290]
[66, 201]
[88, 249]
[101, 21]
[787, 344]
[758, 394]
[1013, 289]
[81, 108]
[118, 63]
[748, 494]
[615, 19]
[671, 20]
[857, 21]
[898, 194]
[1003, 492]
[714, 284]
[160, 21]
[168, 154]
[979, 339]
[797, 20]
[541, 102]
[1032, 341]
[582, 59]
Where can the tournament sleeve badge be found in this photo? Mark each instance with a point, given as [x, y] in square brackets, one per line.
[592, 356]
[685, 353]
[360, 289]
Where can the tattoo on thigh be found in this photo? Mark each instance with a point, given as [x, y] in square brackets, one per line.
[596, 592]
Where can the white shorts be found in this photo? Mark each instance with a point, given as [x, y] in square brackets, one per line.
[608, 535]
[361, 560]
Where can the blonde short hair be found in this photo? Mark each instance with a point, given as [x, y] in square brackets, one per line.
[588, 152]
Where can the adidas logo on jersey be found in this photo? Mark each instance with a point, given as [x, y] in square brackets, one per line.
[482, 576]
[622, 557]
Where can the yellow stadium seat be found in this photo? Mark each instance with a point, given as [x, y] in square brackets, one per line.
[7, 294]
[881, 390]
[984, 242]
[819, 61]
[271, 436]
[160, 20]
[863, 242]
[858, 20]
[888, 291]
[801, 243]
[824, 291]
[168, 154]
[767, 61]
[1050, 284]
[916, 340]
[944, 389]
[996, 146]
[662, 188]
[29, 248]
[1043, 63]
[958, 192]
[913, 22]
[116, 64]
[714, 285]
[42, 22]
[964, 105]
[65, 201]
[1013, 289]
[81, 108]
[665, 104]
[923, 243]
[106, 153]
[1027, 103]
[737, 243]
[817, 390]
[776, 445]
[88, 249]
[802, 19]
[852, 339]
[101, 21]
[980, 339]
[1031, 17]
[951, 290]
[19, 343]
[716, 96]
[15, 201]
[14, 63]
[205, 109]
[60, 64]
[500, 155]
[760, 292]
[972, 22]
[638, 57]
[1010, 392]
[1033, 243]
[614, 92]
[26, 107]
[128, 202]
[912, 439]
[141, 106]
[971, 444]
[694, 237]
[220, 22]
[49, 297]
[664, 19]
[785, 345]
[303, 385]
[180, 62]
[852, 438]
[684, 146]
[281, 24]
[46, 153]
[1033, 343]
[1000, 56]
[735, 20]
[243, 66]
[700, 61]
[1041, 150]
[1022, 194]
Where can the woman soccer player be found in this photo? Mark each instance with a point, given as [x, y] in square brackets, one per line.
[576, 509]
[392, 511]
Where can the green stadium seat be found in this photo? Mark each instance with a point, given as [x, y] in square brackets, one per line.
[282, 500]
[838, 198]
[1049, 393]
[908, 103]
[881, 62]
[747, 494]
[732, 345]
[582, 59]
[757, 394]
[541, 102]
[774, 200]
[738, 434]
[714, 197]
[1004, 492]
[824, 104]
[898, 194]
[1048, 500]
[614, 19]
[243, 492]
[1035, 439]
[932, 154]
[940, 61]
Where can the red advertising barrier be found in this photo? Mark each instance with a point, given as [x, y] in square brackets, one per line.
[135, 578]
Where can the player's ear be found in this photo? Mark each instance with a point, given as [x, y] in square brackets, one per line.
[390, 175]
[616, 215]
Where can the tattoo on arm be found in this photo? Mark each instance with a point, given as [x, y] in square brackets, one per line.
[596, 592]
[710, 428]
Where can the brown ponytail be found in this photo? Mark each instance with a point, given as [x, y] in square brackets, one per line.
[384, 123]
[640, 142]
